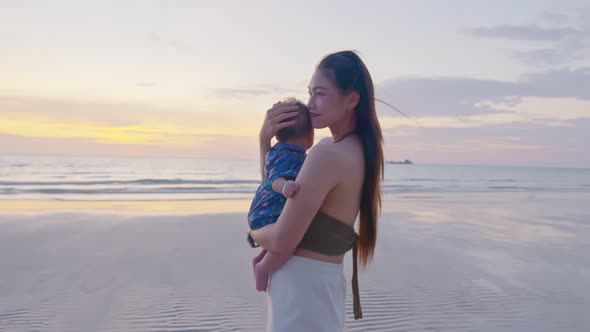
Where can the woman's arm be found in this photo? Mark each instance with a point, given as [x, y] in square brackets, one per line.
[272, 124]
[264, 147]
[316, 179]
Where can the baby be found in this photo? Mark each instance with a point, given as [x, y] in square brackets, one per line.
[282, 164]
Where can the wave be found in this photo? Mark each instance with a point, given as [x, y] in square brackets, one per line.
[194, 187]
[115, 191]
[454, 180]
[502, 180]
[518, 188]
[128, 182]
[389, 189]
[427, 180]
[250, 190]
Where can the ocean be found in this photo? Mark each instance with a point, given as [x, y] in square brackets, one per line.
[125, 179]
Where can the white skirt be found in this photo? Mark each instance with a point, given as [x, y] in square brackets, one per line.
[306, 295]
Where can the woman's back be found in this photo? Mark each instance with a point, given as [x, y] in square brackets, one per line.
[343, 200]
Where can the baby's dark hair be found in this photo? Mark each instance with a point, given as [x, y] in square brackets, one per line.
[302, 124]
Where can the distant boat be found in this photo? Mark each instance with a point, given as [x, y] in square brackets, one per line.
[405, 162]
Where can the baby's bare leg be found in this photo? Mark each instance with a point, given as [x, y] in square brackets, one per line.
[269, 264]
[258, 258]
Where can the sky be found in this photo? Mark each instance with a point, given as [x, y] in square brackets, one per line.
[484, 82]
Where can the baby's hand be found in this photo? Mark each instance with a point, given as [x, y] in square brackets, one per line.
[290, 188]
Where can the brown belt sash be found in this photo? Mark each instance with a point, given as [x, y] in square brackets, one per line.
[356, 300]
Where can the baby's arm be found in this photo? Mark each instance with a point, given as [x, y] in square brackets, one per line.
[287, 188]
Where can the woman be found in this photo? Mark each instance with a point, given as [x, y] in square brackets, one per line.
[339, 178]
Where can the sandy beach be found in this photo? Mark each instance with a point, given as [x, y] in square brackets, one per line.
[505, 262]
[136, 135]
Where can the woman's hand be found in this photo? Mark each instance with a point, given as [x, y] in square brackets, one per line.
[272, 121]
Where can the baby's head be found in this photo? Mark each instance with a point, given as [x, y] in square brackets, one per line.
[300, 133]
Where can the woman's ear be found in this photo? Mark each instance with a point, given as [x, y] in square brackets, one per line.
[352, 99]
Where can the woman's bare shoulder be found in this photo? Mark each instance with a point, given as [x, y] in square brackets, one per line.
[334, 154]
[322, 153]
[325, 140]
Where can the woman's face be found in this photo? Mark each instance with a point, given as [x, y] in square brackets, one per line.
[326, 102]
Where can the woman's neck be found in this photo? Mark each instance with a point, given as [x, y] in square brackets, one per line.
[341, 131]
